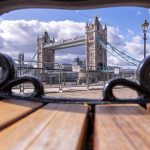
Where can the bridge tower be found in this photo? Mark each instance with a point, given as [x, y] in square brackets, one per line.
[45, 56]
[96, 55]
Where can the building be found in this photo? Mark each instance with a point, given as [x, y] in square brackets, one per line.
[96, 55]
[79, 65]
[66, 66]
[45, 57]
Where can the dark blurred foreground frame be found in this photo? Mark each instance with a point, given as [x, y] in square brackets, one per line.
[8, 5]
[8, 67]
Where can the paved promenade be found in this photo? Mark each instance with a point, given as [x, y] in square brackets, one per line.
[95, 93]
[84, 92]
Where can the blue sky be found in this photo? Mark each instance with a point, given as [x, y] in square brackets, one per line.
[125, 22]
[124, 17]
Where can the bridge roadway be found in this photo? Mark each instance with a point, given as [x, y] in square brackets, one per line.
[77, 41]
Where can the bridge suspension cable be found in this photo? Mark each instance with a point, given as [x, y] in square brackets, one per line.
[32, 59]
[119, 54]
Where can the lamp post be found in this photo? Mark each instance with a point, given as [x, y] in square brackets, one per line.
[145, 29]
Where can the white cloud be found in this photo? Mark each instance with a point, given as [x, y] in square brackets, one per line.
[130, 32]
[139, 12]
[113, 61]
[114, 36]
[135, 47]
[20, 35]
[137, 39]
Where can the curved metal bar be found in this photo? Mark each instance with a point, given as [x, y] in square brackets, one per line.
[8, 69]
[142, 87]
[38, 86]
[108, 90]
[9, 81]
[143, 74]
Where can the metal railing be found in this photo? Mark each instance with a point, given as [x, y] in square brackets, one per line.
[60, 78]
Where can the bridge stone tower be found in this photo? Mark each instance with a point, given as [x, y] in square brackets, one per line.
[96, 55]
[45, 56]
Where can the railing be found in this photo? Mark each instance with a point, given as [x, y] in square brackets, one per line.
[9, 80]
[59, 79]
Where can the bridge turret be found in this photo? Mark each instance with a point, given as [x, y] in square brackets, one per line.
[105, 33]
[96, 21]
[53, 39]
[105, 28]
[45, 56]
[86, 24]
[96, 54]
[46, 38]
[97, 24]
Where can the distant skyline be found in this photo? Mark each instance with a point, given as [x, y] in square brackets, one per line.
[19, 30]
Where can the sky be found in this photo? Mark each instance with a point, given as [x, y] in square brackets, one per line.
[19, 30]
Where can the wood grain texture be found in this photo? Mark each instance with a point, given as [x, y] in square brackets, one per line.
[55, 126]
[12, 110]
[121, 127]
[148, 107]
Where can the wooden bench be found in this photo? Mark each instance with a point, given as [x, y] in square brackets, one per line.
[32, 125]
[148, 107]
[13, 110]
[53, 126]
[121, 127]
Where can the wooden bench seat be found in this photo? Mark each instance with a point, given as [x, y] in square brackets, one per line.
[31, 125]
[148, 107]
[52, 127]
[121, 127]
[12, 110]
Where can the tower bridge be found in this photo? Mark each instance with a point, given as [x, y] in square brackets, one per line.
[96, 47]
[96, 54]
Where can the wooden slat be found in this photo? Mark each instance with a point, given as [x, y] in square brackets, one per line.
[148, 107]
[53, 127]
[121, 127]
[12, 110]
